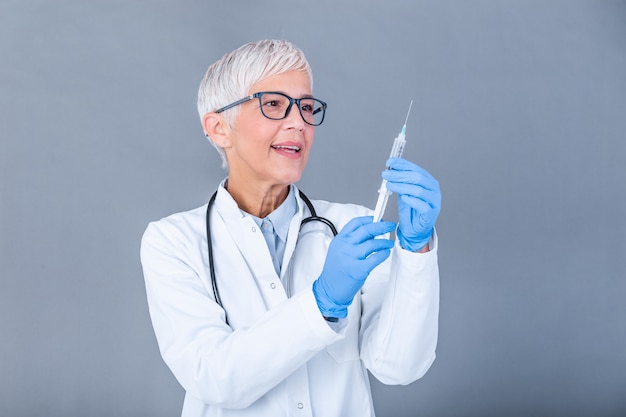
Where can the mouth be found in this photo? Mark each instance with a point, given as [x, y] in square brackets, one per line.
[287, 148]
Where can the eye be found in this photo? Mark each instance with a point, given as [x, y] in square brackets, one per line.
[271, 103]
[274, 102]
[306, 107]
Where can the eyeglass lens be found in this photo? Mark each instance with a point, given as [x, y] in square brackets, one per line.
[274, 106]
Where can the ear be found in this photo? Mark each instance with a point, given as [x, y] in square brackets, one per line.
[217, 129]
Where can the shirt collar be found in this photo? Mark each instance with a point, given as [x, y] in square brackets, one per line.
[280, 217]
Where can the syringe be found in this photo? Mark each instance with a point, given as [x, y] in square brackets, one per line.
[396, 152]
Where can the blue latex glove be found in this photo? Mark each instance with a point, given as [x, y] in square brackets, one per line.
[351, 256]
[419, 202]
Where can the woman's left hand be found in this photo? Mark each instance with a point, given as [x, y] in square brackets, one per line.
[419, 202]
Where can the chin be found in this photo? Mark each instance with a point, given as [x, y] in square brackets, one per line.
[291, 179]
[291, 175]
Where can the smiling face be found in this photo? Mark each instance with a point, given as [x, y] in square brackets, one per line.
[263, 153]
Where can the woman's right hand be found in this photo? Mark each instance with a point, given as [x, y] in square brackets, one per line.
[351, 256]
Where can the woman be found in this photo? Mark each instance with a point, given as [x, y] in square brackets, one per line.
[275, 317]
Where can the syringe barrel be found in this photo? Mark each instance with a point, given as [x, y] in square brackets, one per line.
[381, 203]
[396, 152]
[398, 147]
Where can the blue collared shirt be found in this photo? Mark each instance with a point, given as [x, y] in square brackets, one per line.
[276, 226]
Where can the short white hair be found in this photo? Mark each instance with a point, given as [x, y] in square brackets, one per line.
[231, 77]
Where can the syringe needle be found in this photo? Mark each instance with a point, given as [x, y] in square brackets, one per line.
[407, 113]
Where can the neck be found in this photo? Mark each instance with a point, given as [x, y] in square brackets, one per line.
[256, 199]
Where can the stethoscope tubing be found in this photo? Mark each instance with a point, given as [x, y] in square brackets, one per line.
[216, 292]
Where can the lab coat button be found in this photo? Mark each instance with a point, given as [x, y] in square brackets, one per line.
[300, 406]
[272, 285]
[253, 229]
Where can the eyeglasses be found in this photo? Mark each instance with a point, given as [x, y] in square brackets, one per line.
[276, 106]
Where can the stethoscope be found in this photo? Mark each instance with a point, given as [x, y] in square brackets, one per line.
[311, 218]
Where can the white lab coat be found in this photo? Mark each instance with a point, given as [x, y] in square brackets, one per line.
[279, 357]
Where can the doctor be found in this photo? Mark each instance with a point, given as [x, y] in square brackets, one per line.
[284, 318]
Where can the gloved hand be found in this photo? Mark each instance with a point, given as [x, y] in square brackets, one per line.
[351, 256]
[419, 202]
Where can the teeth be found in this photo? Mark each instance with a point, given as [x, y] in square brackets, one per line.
[291, 148]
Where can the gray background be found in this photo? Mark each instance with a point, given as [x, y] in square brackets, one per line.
[519, 112]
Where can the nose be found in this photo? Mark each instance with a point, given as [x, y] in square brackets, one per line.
[294, 119]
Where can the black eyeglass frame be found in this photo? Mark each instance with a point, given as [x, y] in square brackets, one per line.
[291, 101]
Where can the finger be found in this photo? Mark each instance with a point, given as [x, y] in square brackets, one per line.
[375, 259]
[370, 231]
[402, 170]
[367, 248]
[417, 204]
[432, 198]
[354, 224]
[400, 164]
[411, 177]
[424, 215]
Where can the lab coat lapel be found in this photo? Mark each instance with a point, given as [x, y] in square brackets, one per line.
[246, 235]
[305, 248]
[253, 251]
[292, 236]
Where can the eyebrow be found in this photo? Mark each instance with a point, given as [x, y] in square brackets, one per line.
[285, 93]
